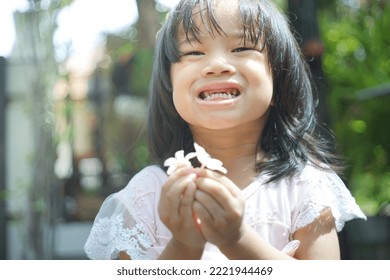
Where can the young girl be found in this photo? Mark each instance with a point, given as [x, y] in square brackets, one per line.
[228, 77]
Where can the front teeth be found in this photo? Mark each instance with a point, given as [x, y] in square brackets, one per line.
[219, 96]
[209, 95]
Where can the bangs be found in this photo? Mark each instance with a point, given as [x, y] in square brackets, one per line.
[190, 16]
[255, 23]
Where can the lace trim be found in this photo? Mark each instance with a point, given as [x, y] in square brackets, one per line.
[108, 237]
[329, 195]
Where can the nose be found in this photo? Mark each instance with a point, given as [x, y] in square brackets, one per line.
[218, 66]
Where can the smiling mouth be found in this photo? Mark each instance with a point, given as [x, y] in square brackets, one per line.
[217, 95]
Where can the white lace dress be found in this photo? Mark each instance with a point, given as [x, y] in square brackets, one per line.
[128, 220]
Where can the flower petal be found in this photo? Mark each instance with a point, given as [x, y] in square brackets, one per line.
[209, 162]
[179, 155]
[179, 160]
[201, 154]
[219, 168]
[171, 169]
[170, 161]
[215, 164]
[190, 156]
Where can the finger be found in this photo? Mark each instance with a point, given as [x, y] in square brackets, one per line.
[217, 191]
[197, 221]
[209, 204]
[187, 213]
[175, 192]
[176, 180]
[185, 210]
[179, 172]
[224, 180]
[171, 196]
[202, 215]
[227, 208]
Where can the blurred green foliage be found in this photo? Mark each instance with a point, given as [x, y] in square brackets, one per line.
[142, 69]
[357, 58]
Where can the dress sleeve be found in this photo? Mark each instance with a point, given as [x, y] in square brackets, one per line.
[126, 221]
[322, 190]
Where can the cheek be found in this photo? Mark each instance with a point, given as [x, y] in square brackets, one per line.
[262, 84]
[176, 72]
[180, 103]
[180, 89]
[265, 82]
[184, 106]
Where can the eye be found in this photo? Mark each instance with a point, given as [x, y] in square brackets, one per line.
[192, 53]
[242, 49]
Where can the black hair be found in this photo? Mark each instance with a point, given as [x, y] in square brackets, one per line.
[290, 137]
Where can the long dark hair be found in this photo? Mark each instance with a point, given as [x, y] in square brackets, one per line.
[290, 138]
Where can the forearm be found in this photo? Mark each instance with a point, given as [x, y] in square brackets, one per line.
[251, 246]
[177, 251]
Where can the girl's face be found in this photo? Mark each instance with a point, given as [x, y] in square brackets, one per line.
[222, 82]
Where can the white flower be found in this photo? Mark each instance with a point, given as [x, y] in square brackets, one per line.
[204, 158]
[207, 161]
[179, 160]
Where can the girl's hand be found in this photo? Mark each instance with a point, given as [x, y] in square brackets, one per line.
[176, 209]
[219, 207]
